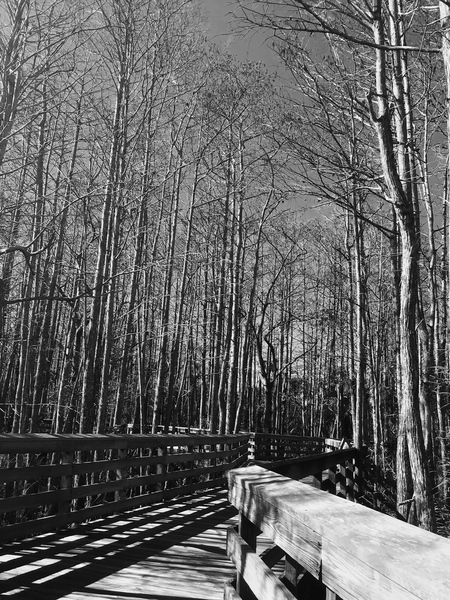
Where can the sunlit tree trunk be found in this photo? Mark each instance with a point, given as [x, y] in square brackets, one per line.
[91, 376]
[163, 358]
[400, 196]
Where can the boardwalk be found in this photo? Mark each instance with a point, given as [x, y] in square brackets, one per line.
[174, 550]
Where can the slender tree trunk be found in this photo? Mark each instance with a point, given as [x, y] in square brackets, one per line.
[444, 12]
[220, 303]
[90, 378]
[166, 305]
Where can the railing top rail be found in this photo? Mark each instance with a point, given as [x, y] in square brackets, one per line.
[299, 467]
[281, 436]
[41, 442]
[358, 552]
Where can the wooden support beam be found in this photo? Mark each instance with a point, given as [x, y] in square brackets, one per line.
[260, 581]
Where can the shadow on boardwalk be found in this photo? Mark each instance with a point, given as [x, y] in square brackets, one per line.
[174, 550]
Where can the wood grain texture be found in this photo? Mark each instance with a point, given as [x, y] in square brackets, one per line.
[359, 553]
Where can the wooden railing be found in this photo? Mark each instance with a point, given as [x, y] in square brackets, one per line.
[270, 446]
[51, 481]
[331, 548]
[340, 472]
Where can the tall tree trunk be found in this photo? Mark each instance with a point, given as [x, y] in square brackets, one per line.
[444, 12]
[166, 304]
[403, 206]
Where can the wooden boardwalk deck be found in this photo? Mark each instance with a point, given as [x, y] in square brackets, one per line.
[174, 550]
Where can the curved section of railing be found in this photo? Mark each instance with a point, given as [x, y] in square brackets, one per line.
[339, 472]
[333, 549]
[271, 446]
[51, 481]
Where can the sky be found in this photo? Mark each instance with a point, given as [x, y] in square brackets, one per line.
[225, 30]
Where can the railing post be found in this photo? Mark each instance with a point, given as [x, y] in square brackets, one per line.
[330, 483]
[212, 462]
[358, 474]
[161, 468]
[340, 479]
[248, 533]
[66, 484]
[349, 480]
[190, 464]
[121, 474]
[317, 480]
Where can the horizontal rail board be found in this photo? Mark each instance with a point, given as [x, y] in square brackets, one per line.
[294, 438]
[80, 468]
[28, 501]
[41, 442]
[35, 472]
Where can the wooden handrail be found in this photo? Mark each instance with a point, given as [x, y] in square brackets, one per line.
[271, 446]
[50, 481]
[347, 549]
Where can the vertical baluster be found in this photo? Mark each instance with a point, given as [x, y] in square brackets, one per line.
[349, 480]
[121, 474]
[66, 484]
[317, 480]
[359, 476]
[161, 468]
[331, 482]
[212, 462]
[189, 465]
[341, 481]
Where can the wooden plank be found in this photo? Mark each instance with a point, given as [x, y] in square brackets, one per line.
[130, 462]
[37, 500]
[174, 550]
[34, 472]
[42, 442]
[360, 553]
[260, 579]
[280, 436]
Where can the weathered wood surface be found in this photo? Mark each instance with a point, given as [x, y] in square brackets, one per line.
[174, 550]
[358, 553]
